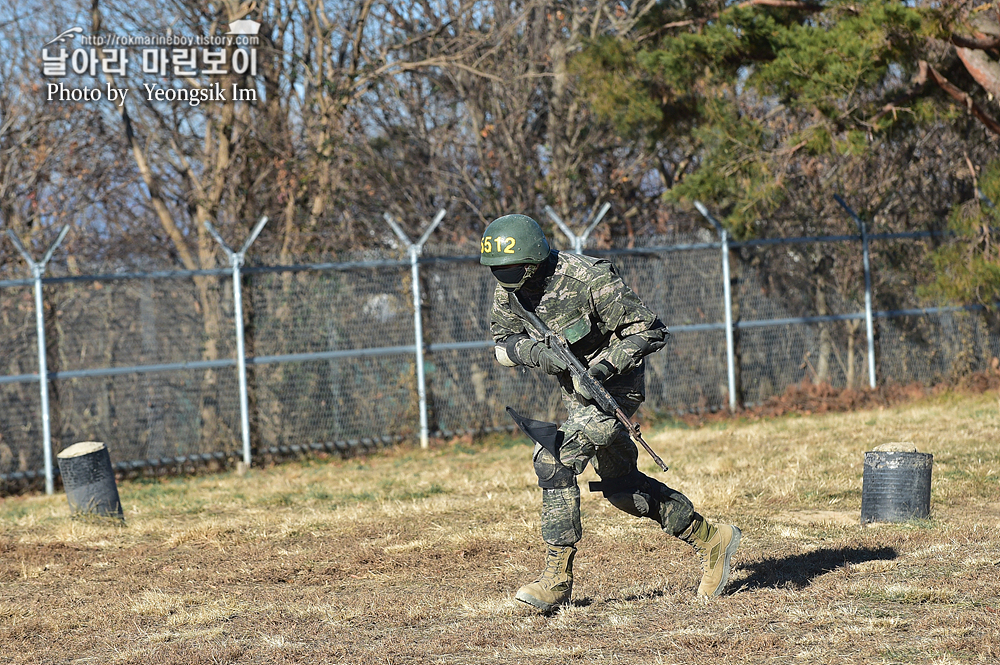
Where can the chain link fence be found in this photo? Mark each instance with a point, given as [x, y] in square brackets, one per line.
[145, 361]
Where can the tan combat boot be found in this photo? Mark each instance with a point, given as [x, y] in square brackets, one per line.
[555, 585]
[716, 544]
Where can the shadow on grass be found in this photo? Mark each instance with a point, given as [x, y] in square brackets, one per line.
[799, 571]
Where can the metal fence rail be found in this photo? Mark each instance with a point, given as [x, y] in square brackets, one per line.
[169, 367]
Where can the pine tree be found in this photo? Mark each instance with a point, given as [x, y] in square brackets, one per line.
[752, 89]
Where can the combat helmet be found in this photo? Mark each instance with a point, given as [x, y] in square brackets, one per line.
[513, 246]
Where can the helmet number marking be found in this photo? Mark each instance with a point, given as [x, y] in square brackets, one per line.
[504, 244]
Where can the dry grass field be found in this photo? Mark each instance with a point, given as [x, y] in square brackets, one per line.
[413, 556]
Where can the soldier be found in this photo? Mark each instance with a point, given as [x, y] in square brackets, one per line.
[610, 330]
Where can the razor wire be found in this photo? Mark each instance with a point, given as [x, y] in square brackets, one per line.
[148, 361]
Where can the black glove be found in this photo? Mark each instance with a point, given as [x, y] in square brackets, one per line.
[547, 359]
[601, 371]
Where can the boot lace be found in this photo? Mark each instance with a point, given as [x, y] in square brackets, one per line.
[551, 570]
[555, 561]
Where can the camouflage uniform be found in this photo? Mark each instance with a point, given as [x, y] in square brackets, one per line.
[585, 300]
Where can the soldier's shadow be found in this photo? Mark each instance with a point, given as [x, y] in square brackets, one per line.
[798, 571]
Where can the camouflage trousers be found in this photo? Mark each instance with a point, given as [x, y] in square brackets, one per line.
[590, 436]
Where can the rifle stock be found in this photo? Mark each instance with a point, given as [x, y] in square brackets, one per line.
[605, 401]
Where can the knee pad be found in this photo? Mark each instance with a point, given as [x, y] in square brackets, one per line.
[629, 494]
[676, 510]
[633, 503]
[638, 494]
[552, 474]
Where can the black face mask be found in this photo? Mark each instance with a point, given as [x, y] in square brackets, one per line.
[510, 277]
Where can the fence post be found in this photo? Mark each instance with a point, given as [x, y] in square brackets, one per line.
[414, 250]
[578, 240]
[868, 307]
[37, 270]
[728, 297]
[236, 261]
[727, 301]
[869, 327]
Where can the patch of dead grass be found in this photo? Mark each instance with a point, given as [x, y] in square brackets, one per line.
[413, 556]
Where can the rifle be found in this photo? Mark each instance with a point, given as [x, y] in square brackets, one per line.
[578, 370]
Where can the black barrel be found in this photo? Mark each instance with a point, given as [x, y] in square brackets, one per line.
[896, 486]
[89, 480]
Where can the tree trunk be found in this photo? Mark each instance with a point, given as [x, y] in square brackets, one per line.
[852, 330]
[825, 342]
[155, 434]
[562, 124]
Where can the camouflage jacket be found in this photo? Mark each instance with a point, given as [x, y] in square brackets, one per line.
[585, 300]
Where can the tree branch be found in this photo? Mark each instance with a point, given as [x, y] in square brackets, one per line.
[785, 4]
[788, 4]
[358, 35]
[919, 81]
[979, 43]
[982, 68]
[156, 197]
[962, 97]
